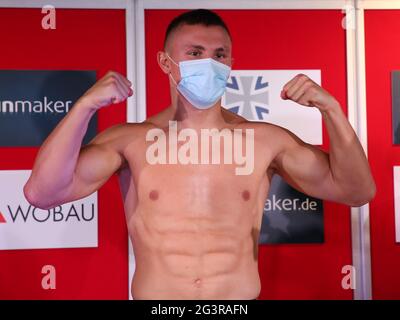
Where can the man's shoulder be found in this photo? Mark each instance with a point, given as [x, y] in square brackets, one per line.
[121, 133]
[269, 136]
[264, 128]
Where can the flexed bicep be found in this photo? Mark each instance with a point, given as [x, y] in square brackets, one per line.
[305, 167]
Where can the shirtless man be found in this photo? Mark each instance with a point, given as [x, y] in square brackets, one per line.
[194, 228]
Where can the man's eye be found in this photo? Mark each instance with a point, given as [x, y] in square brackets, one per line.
[221, 56]
[194, 53]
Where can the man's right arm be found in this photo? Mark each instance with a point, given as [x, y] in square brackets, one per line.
[64, 170]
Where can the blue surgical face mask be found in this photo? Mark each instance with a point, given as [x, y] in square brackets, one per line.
[203, 81]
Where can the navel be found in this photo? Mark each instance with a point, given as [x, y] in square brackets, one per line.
[246, 195]
[153, 195]
[197, 282]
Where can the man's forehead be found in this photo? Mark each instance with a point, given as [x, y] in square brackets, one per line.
[201, 35]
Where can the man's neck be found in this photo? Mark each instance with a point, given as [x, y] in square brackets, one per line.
[188, 116]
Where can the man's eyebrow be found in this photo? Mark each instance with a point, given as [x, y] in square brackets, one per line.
[194, 46]
[200, 47]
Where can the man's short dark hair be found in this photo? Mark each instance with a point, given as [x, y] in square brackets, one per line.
[199, 16]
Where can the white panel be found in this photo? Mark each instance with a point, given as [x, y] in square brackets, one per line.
[396, 181]
[379, 4]
[305, 122]
[71, 225]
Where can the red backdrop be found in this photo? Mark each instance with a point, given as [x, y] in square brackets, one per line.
[95, 40]
[281, 39]
[83, 40]
[382, 45]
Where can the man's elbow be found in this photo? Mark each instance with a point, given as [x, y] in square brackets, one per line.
[34, 199]
[363, 197]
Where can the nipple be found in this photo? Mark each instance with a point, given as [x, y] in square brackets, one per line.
[246, 195]
[153, 195]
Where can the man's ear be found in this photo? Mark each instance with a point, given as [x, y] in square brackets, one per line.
[163, 62]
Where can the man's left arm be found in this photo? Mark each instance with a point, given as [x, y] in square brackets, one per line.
[342, 175]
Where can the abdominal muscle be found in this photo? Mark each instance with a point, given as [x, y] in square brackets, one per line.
[193, 255]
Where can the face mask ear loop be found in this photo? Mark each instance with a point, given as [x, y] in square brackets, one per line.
[166, 53]
[170, 72]
[173, 79]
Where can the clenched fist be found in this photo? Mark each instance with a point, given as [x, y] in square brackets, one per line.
[112, 88]
[303, 90]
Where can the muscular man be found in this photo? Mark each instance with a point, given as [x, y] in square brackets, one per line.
[195, 227]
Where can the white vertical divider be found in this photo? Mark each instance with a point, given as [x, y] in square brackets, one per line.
[360, 230]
